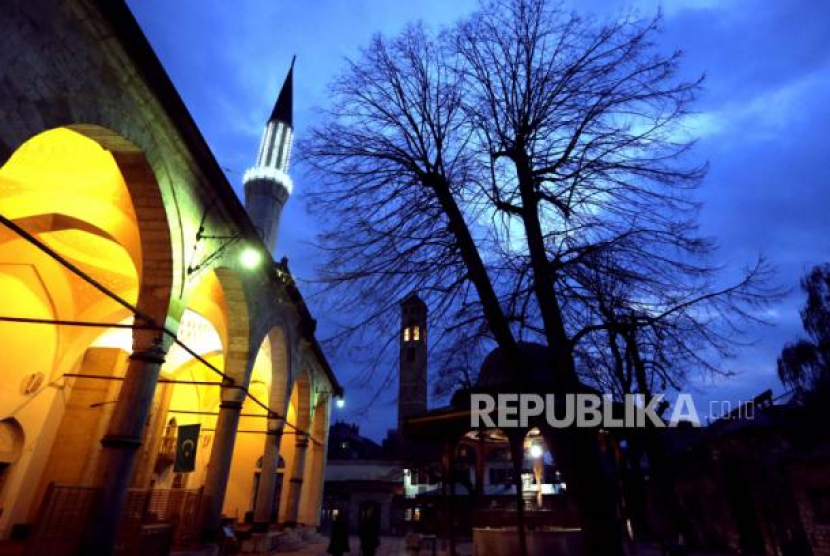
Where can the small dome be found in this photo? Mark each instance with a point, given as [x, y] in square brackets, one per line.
[537, 362]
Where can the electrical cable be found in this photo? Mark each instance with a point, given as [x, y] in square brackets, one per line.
[151, 324]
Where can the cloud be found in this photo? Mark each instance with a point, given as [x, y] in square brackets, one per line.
[766, 115]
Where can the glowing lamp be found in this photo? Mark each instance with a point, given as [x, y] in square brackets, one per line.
[250, 258]
[340, 403]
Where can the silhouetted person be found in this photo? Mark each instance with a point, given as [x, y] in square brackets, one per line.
[339, 543]
[368, 530]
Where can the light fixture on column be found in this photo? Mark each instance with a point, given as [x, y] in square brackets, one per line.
[250, 256]
[339, 400]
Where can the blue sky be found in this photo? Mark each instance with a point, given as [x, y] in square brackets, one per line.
[763, 122]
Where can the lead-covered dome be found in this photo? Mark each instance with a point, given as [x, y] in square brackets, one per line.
[536, 362]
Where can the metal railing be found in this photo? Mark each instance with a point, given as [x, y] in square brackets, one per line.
[153, 522]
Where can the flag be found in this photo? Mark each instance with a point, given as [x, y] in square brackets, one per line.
[186, 444]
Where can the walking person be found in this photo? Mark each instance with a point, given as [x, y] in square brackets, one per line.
[339, 543]
[369, 531]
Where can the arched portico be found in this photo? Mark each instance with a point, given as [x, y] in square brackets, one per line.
[132, 198]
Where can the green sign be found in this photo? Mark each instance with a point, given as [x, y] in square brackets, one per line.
[186, 444]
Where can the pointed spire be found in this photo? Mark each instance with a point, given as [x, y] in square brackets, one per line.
[284, 108]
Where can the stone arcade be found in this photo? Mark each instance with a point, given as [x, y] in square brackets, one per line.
[138, 297]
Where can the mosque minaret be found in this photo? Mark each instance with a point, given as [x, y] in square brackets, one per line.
[267, 184]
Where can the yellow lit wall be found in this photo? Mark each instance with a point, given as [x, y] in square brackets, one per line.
[68, 192]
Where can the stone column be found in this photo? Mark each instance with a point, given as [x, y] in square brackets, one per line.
[219, 464]
[312, 497]
[295, 485]
[122, 440]
[268, 476]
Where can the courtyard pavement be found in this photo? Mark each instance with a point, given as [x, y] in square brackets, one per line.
[394, 546]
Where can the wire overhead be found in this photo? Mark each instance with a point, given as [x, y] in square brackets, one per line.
[149, 323]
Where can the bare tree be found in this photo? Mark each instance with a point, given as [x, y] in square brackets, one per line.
[395, 169]
[582, 125]
[529, 173]
[653, 343]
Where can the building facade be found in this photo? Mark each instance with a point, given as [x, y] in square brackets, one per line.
[139, 297]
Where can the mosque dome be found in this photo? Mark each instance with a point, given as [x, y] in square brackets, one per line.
[536, 360]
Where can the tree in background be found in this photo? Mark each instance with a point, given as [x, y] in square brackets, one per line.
[804, 363]
[528, 173]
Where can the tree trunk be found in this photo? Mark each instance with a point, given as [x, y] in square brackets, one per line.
[594, 490]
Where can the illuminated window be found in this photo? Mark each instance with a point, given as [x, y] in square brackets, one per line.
[406, 334]
[416, 333]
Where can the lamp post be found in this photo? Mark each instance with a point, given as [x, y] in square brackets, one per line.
[537, 454]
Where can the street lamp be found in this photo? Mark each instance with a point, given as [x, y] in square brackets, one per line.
[339, 402]
[536, 453]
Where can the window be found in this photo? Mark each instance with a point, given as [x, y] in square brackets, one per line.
[406, 334]
[416, 333]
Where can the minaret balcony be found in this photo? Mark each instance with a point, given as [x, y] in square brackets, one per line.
[268, 173]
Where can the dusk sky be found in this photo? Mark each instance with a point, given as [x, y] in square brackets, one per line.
[763, 121]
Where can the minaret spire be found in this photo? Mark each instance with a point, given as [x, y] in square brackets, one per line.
[284, 107]
[267, 184]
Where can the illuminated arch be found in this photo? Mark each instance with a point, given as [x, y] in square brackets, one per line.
[156, 254]
[91, 196]
[238, 344]
[302, 388]
[269, 384]
[277, 339]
